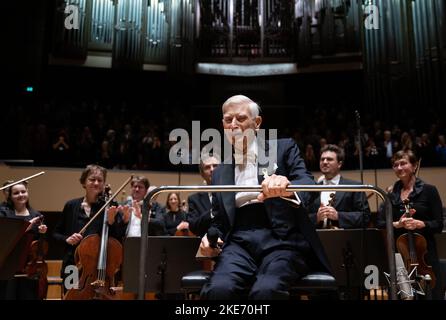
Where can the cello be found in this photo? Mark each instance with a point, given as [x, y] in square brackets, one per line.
[36, 267]
[413, 248]
[98, 259]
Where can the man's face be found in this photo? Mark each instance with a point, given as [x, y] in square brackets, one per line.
[237, 118]
[208, 167]
[138, 191]
[329, 164]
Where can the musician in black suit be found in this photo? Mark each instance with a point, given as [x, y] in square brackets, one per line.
[200, 213]
[345, 210]
[269, 242]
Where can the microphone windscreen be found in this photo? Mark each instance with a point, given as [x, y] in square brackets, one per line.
[402, 279]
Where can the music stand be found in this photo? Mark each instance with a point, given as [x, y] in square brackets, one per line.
[168, 260]
[343, 249]
[14, 246]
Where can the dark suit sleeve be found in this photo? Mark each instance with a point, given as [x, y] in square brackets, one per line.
[297, 172]
[118, 228]
[60, 232]
[313, 208]
[357, 214]
[157, 225]
[434, 225]
[199, 221]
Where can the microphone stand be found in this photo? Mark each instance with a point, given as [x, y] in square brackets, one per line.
[361, 170]
[361, 166]
[374, 153]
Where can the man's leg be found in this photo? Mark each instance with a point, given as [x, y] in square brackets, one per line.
[279, 269]
[233, 272]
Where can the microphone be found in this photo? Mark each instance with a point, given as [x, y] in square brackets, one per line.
[213, 237]
[402, 279]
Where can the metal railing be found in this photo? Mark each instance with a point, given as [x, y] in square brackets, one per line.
[291, 188]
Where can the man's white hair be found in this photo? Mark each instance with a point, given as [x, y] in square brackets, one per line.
[241, 99]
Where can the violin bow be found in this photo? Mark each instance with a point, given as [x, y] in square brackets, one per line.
[417, 172]
[21, 180]
[106, 204]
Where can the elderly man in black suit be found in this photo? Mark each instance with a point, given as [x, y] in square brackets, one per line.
[268, 241]
[345, 210]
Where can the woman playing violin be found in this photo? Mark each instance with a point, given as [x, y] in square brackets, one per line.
[77, 212]
[426, 209]
[17, 206]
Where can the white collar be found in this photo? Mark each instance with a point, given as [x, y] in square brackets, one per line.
[334, 181]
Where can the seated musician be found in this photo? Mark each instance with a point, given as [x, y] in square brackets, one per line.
[130, 214]
[341, 209]
[426, 210]
[200, 215]
[5, 193]
[17, 206]
[175, 216]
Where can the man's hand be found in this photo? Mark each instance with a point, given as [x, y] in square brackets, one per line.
[274, 186]
[327, 212]
[206, 250]
[183, 225]
[125, 210]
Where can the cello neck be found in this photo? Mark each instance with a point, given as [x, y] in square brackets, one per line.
[410, 236]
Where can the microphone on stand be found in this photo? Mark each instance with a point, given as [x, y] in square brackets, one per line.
[402, 279]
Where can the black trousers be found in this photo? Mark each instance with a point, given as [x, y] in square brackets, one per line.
[255, 261]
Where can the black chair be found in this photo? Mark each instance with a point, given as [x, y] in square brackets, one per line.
[315, 284]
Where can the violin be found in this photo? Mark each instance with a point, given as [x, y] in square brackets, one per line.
[328, 223]
[98, 258]
[37, 268]
[184, 232]
[413, 247]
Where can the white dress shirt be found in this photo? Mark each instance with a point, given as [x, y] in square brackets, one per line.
[325, 195]
[247, 174]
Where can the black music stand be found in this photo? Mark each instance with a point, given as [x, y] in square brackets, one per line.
[14, 246]
[343, 249]
[168, 260]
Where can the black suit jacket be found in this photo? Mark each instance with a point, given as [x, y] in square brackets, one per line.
[199, 215]
[284, 218]
[353, 207]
